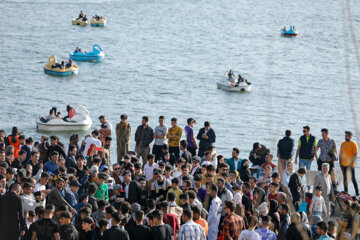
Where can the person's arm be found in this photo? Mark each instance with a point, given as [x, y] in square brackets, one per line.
[178, 134]
[341, 153]
[57, 236]
[297, 155]
[211, 136]
[315, 152]
[226, 230]
[33, 237]
[168, 135]
[128, 132]
[181, 234]
[199, 135]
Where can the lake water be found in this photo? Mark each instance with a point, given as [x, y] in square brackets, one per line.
[164, 58]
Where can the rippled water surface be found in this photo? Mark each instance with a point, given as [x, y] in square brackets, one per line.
[164, 58]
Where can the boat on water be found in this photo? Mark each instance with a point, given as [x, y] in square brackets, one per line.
[98, 21]
[80, 122]
[54, 68]
[289, 32]
[96, 54]
[232, 85]
[79, 21]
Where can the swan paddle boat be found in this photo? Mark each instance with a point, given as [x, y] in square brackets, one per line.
[232, 85]
[291, 32]
[53, 68]
[80, 22]
[80, 122]
[98, 21]
[96, 54]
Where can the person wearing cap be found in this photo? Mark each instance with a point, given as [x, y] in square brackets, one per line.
[102, 191]
[207, 137]
[258, 154]
[123, 136]
[55, 196]
[72, 196]
[144, 135]
[196, 169]
[131, 188]
[92, 140]
[190, 139]
[30, 202]
[115, 232]
[234, 162]
[174, 135]
[347, 157]
[160, 138]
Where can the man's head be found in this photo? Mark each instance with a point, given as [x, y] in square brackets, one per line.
[161, 120]
[123, 118]
[324, 133]
[151, 158]
[273, 187]
[269, 157]
[127, 176]
[27, 188]
[65, 218]
[54, 140]
[348, 136]
[139, 216]
[306, 130]
[207, 125]
[235, 153]
[60, 183]
[86, 223]
[322, 228]
[173, 122]
[253, 182]
[22, 155]
[332, 227]
[54, 156]
[302, 171]
[145, 120]
[318, 190]
[49, 210]
[213, 189]
[288, 133]
[116, 219]
[284, 209]
[281, 198]
[187, 215]
[220, 183]
[265, 222]
[158, 216]
[35, 157]
[102, 119]
[325, 168]
[184, 198]
[185, 169]
[230, 207]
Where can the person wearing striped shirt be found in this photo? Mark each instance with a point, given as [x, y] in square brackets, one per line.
[190, 230]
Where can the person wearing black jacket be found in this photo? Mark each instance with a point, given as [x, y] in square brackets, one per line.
[258, 154]
[132, 188]
[144, 135]
[184, 153]
[12, 219]
[285, 149]
[207, 137]
[70, 160]
[67, 229]
[295, 185]
[115, 232]
[55, 146]
[297, 230]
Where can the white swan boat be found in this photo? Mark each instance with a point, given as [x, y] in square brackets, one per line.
[80, 122]
[226, 84]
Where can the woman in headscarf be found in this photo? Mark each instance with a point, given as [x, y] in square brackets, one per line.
[274, 214]
[244, 171]
[234, 178]
[259, 197]
[289, 170]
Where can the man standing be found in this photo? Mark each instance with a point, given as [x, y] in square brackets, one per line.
[347, 156]
[233, 224]
[207, 137]
[323, 179]
[106, 127]
[160, 138]
[297, 230]
[184, 153]
[12, 219]
[70, 159]
[285, 149]
[123, 136]
[143, 137]
[235, 161]
[115, 232]
[264, 231]
[306, 149]
[173, 136]
[190, 140]
[214, 212]
[67, 229]
[46, 228]
[190, 230]
[55, 196]
[94, 139]
[328, 153]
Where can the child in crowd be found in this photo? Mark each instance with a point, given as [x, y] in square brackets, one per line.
[318, 206]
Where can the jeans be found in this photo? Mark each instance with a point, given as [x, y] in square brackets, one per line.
[349, 172]
[306, 163]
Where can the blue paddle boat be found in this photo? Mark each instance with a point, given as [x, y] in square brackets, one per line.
[290, 32]
[96, 54]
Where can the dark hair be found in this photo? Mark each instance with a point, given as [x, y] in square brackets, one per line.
[163, 205]
[331, 225]
[39, 210]
[307, 128]
[22, 137]
[171, 196]
[206, 124]
[319, 188]
[108, 138]
[213, 187]
[54, 153]
[174, 119]
[85, 210]
[192, 194]
[95, 132]
[275, 175]
[101, 117]
[102, 203]
[274, 184]
[183, 143]
[116, 216]
[210, 168]
[285, 207]
[66, 215]
[198, 177]
[125, 207]
[187, 212]
[288, 133]
[92, 188]
[184, 196]
[302, 170]
[189, 120]
[146, 118]
[323, 226]
[175, 180]
[253, 220]
[150, 156]
[236, 150]
[221, 180]
[246, 184]
[230, 205]
[79, 156]
[349, 133]
[110, 209]
[49, 208]
[150, 203]
[88, 220]
[29, 140]
[158, 214]
[21, 152]
[324, 130]
[123, 116]
[103, 222]
[139, 216]
[196, 209]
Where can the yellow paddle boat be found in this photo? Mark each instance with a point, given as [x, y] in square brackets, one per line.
[54, 68]
[97, 21]
[80, 22]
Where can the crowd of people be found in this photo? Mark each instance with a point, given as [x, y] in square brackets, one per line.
[173, 188]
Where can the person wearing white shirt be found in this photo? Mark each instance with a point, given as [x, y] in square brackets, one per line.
[149, 169]
[92, 140]
[250, 233]
[29, 200]
[214, 212]
[41, 185]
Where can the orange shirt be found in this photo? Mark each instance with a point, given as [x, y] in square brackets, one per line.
[202, 222]
[15, 145]
[348, 150]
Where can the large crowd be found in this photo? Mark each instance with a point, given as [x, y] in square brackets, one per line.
[173, 188]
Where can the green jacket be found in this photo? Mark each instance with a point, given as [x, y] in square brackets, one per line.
[102, 192]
